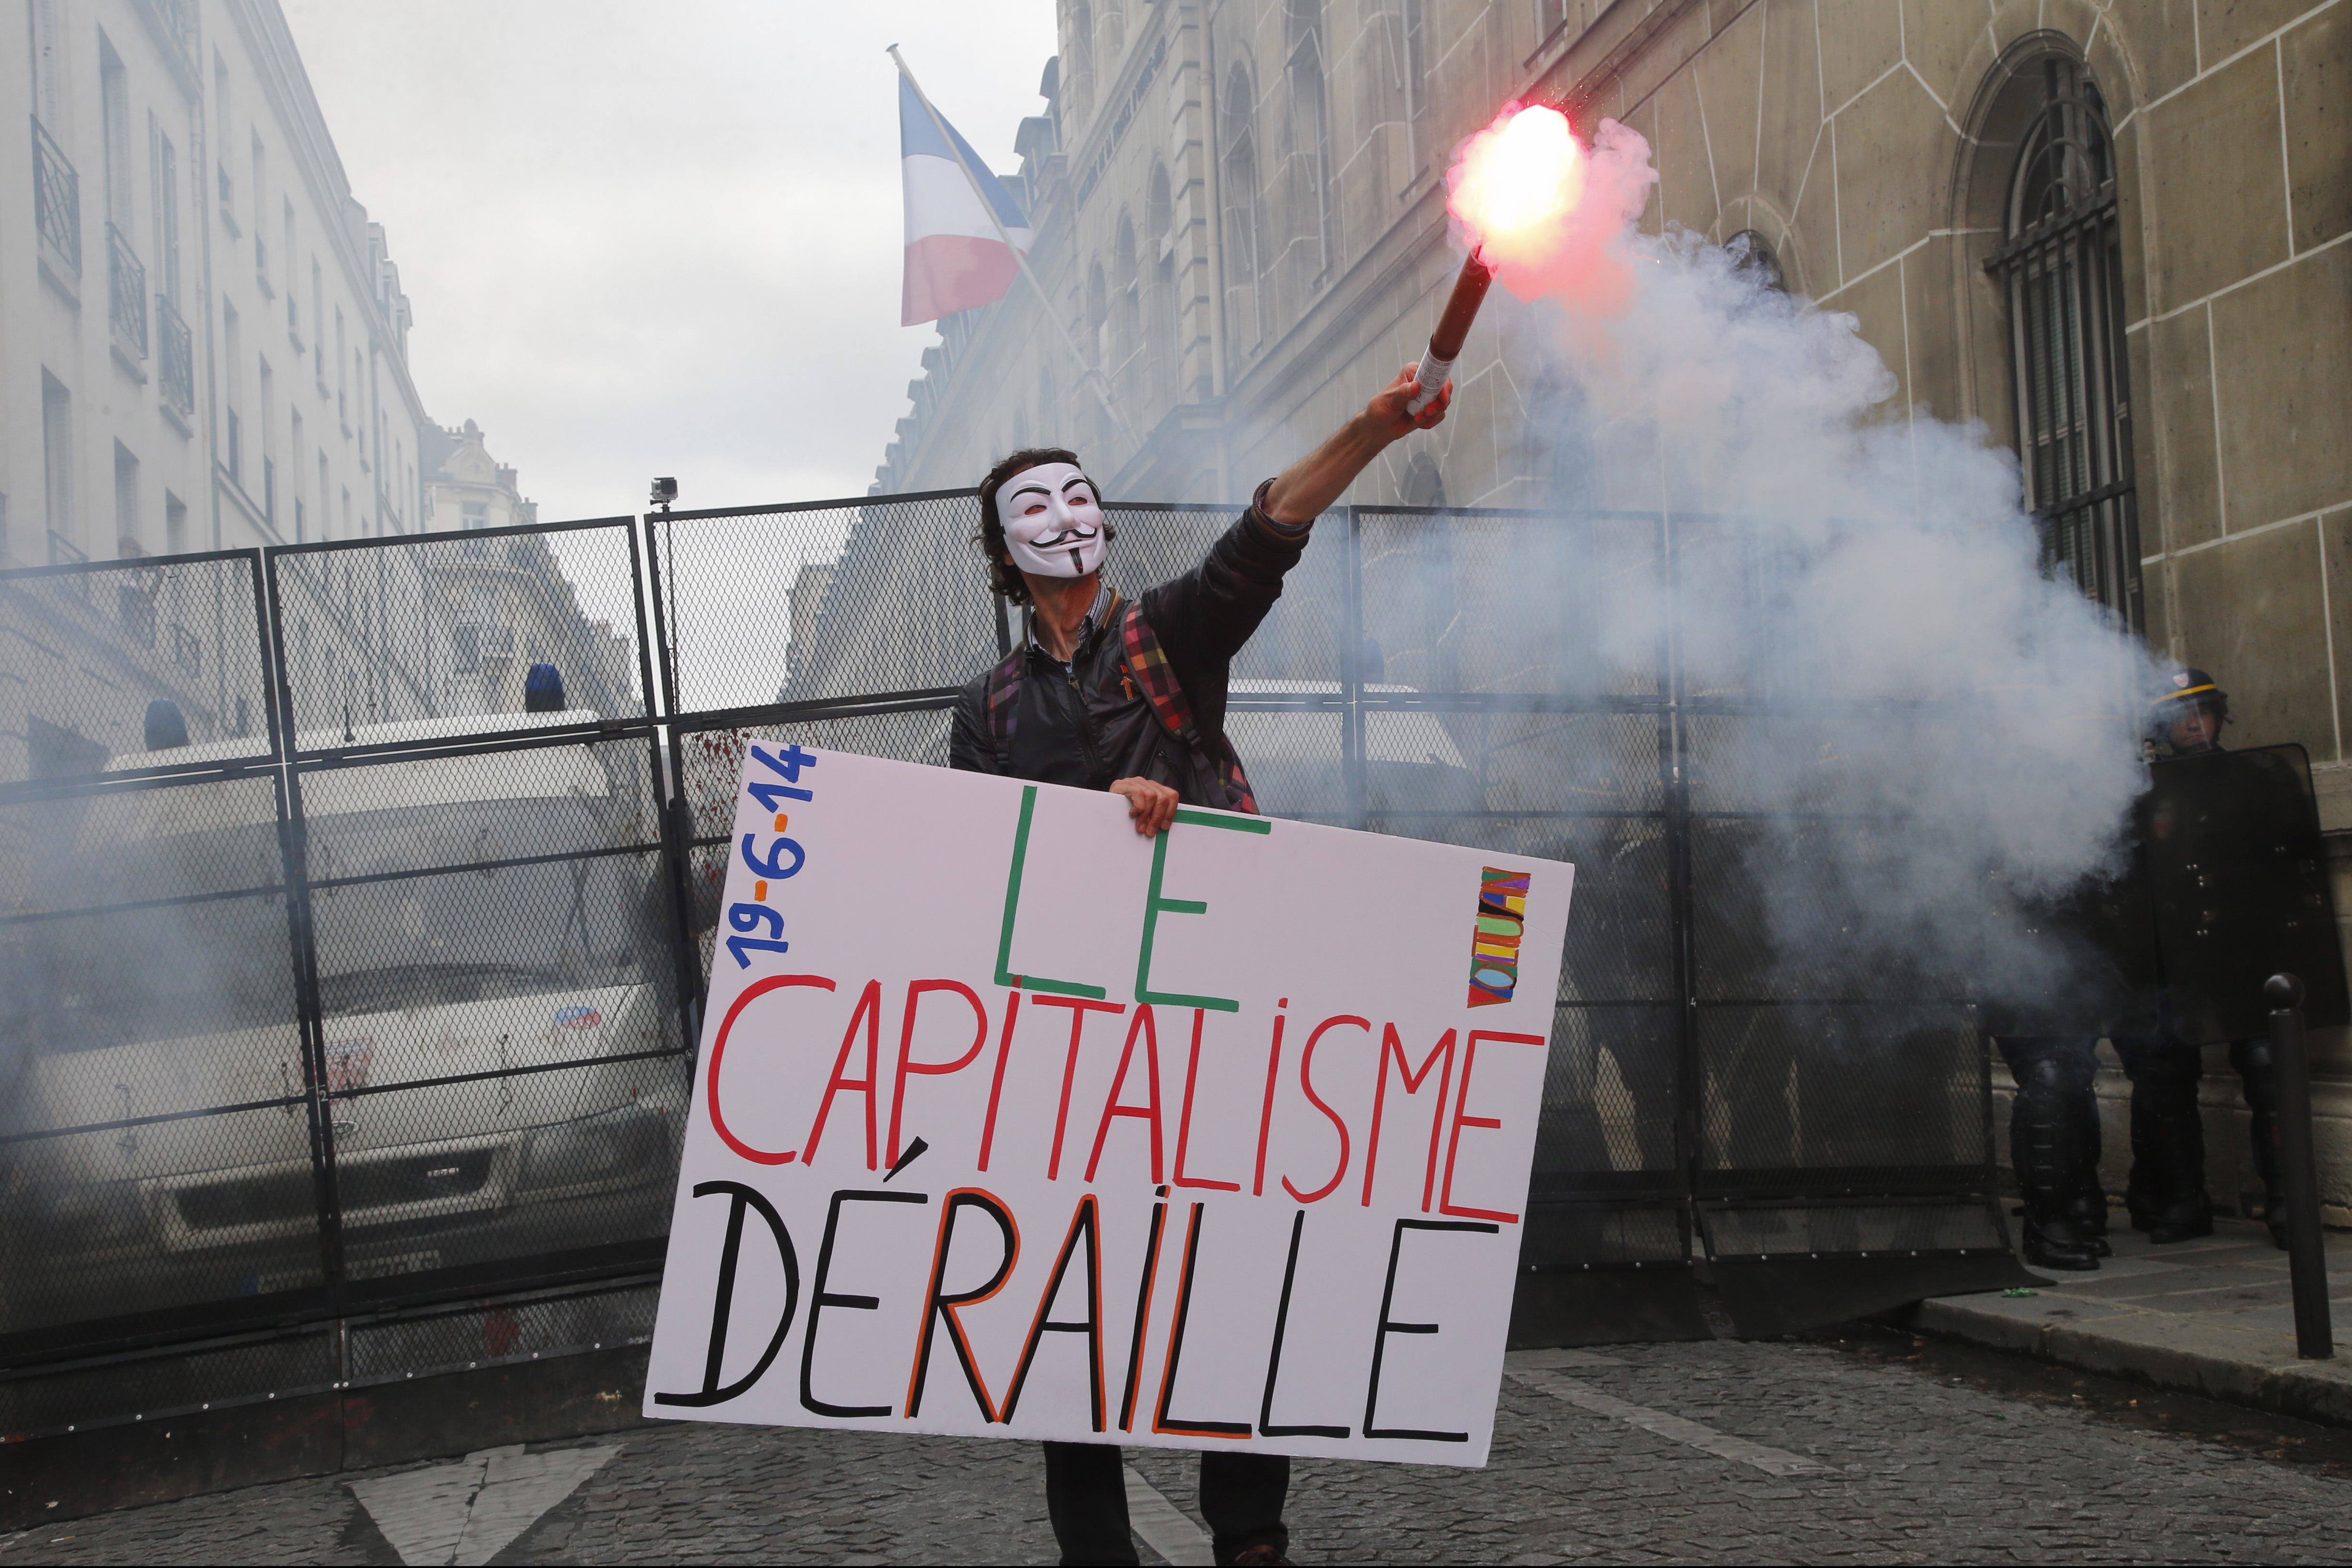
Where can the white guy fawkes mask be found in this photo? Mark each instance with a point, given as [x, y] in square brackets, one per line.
[1052, 524]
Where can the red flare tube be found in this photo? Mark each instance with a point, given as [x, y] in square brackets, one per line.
[1445, 343]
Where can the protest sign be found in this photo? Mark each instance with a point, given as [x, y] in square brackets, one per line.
[1010, 1123]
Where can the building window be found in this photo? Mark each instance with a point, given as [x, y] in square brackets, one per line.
[127, 541]
[1078, 81]
[1308, 133]
[1241, 217]
[1160, 229]
[260, 242]
[2061, 268]
[167, 212]
[57, 464]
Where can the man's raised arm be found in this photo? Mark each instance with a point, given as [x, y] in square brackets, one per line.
[1301, 493]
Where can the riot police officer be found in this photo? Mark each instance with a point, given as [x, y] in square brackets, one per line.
[2166, 1195]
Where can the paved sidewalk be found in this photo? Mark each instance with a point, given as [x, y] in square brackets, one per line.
[2209, 1317]
[1714, 1452]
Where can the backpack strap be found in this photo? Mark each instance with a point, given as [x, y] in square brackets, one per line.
[1001, 703]
[1146, 665]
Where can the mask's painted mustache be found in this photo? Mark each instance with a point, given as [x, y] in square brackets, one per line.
[1078, 533]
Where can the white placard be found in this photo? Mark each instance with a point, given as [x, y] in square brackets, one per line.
[1224, 1136]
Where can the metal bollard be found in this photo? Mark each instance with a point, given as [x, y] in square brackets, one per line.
[2314, 1339]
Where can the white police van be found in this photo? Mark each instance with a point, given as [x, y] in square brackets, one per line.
[475, 983]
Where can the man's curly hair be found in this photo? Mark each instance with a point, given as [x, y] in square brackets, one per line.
[1004, 577]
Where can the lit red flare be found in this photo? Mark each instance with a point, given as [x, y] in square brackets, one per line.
[1517, 181]
[1517, 184]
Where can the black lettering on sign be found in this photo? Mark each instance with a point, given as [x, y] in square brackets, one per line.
[722, 1300]
[938, 1308]
[1142, 1317]
[1380, 1335]
[1265, 1427]
[1162, 1421]
[820, 1299]
[1086, 1219]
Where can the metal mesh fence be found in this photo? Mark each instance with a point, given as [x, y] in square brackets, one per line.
[1463, 676]
[349, 969]
[341, 952]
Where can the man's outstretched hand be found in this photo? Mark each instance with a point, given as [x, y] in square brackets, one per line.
[1386, 411]
[1150, 806]
[1301, 492]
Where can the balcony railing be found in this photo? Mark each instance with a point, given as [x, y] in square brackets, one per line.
[177, 20]
[126, 295]
[57, 203]
[176, 357]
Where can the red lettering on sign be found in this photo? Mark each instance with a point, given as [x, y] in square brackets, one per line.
[1184, 1120]
[752, 993]
[996, 1084]
[1307, 1083]
[1148, 1113]
[1266, 1116]
[869, 1008]
[1079, 1007]
[1391, 1046]
[1463, 1119]
[907, 1041]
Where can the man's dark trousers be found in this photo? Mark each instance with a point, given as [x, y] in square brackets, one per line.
[1085, 1491]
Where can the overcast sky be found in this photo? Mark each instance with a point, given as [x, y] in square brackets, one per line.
[659, 240]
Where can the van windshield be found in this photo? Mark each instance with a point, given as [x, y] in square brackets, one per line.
[402, 987]
[573, 915]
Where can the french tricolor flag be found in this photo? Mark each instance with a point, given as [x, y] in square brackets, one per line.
[957, 257]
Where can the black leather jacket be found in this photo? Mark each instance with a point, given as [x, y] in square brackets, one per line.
[1085, 724]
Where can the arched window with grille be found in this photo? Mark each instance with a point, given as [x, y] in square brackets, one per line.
[1306, 145]
[1127, 316]
[1160, 226]
[2061, 268]
[1238, 178]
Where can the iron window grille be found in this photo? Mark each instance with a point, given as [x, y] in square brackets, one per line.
[126, 295]
[2061, 268]
[175, 345]
[57, 203]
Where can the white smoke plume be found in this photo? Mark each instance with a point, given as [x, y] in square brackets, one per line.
[1862, 570]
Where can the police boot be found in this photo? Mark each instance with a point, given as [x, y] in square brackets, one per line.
[2258, 1074]
[2086, 1205]
[2167, 1193]
[2046, 1150]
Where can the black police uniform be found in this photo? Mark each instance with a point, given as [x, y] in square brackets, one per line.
[2166, 1195]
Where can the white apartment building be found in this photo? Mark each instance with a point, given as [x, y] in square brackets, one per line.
[203, 339]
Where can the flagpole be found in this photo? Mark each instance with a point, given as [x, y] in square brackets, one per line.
[1088, 375]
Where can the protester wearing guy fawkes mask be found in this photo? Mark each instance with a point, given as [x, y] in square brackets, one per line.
[1105, 692]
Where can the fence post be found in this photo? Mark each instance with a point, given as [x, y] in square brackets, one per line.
[2299, 1168]
[1352, 674]
[1674, 786]
[294, 847]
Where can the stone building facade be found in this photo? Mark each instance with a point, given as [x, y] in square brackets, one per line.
[2113, 231]
[507, 605]
[204, 338]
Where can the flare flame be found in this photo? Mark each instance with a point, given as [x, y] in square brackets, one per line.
[1517, 178]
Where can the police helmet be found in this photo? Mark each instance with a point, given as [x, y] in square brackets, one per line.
[166, 726]
[543, 689]
[2187, 691]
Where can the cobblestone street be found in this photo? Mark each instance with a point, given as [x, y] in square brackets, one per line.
[1717, 1452]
